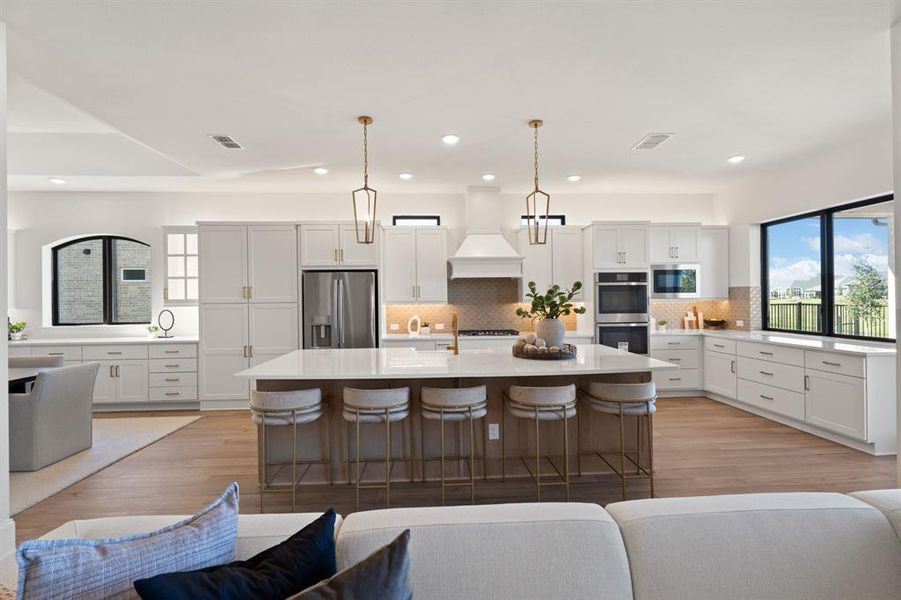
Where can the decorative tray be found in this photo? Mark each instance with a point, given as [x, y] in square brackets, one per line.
[532, 352]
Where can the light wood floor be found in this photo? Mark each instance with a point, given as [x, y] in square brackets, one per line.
[701, 447]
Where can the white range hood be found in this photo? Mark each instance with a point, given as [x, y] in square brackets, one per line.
[485, 252]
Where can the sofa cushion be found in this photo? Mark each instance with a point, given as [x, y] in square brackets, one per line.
[887, 501]
[759, 546]
[515, 551]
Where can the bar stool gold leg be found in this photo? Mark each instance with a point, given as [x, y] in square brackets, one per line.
[622, 449]
[263, 459]
[387, 460]
[410, 446]
[503, 440]
[472, 451]
[441, 424]
[651, 447]
[293, 461]
[566, 452]
[328, 446]
[485, 447]
[349, 436]
[538, 454]
[357, 462]
[578, 439]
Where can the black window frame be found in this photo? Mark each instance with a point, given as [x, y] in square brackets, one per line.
[400, 218]
[560, 220]
[827, 269]
[108, 276]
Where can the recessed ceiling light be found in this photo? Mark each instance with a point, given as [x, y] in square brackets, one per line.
[320, 171]
[488, 177]
[450, 139]
[574, 178]
[406, 176]
[736, 159]
[56, 180]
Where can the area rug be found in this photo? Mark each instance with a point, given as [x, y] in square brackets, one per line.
[114, 439]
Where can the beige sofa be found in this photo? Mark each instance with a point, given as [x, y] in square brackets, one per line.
[756, 546]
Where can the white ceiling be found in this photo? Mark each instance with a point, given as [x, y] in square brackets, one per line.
[122, 96]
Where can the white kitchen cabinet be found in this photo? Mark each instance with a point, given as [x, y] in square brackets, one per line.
[354, 254]
[713, 256]
[415, 264]
[224, 342]
[620, 245]
[836, 402]
[223, 263]
[670, 244]
[557, 262]
[536, 264]
[121, 382]
[272, 330]
[335, 244]
[105, 384]
[719, 374]
[272, 263]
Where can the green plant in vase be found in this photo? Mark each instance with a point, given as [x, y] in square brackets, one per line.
[547, 308]
[16, 329]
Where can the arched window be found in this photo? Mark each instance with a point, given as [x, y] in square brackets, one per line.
[101, 280]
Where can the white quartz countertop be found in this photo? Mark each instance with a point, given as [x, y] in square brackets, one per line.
[103, 341]
[407, 363]
[446, 336]
[807, 342]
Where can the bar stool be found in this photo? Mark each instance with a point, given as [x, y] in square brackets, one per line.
[376, 406]
[454, 405]
[540, 404]
[626, 400]
[287, 409]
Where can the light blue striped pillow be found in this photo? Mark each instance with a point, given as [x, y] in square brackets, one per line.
[108, 568]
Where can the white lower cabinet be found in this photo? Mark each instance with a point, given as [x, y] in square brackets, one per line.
[837, 403]
[121, 382]
[773, 399]
[683, 379]
[720, 374]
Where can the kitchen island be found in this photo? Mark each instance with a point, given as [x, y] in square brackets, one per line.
[496, 368]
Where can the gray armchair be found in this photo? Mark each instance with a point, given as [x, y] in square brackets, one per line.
[53, 421]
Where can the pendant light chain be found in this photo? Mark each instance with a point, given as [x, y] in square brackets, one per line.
[536, 155]
[365, 155]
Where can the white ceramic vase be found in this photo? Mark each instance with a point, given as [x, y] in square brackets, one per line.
[551, 331]
[16, 336]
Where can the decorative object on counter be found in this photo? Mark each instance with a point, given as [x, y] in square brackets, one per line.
[548, 308]
[661, 325]
[16, 329]
[414, 320]
[166, 321]
[714, 322]
[533, 347]
[689, 321]
[538, 203]
[365, 197]
[424, 329]
[152, 331]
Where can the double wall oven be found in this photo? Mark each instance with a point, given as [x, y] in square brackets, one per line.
[621, 310]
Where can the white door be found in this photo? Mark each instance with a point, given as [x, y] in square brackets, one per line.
[431, 265]
[133, 380]
[713, 253]
[319, 245]
[272, 263]
[399, 265]
[566, 258]
[354, 254]
[661, 245]
[223, 263]
[837, 403]
[224, 351]
[719, 374]
[685, 243]
[105, 384]
[273, 329]
[605, 240]
[634, 245]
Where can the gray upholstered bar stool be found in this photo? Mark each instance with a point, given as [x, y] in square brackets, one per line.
[624, 400]
[557, 403]
[282, 410]
[454, 405]
[371, 407]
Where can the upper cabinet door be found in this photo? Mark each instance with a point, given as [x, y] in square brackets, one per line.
[606, 246]
[713, 254]
[354, 254]
[272, 263]
[223, 263]
[431, 265]
[685, 243]
[537, 264]
[319, 245]
[399, 265]
[661, 245]
[566, 258]
[634, 246]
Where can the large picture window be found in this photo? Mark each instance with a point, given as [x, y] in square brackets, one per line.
[101, 280]
[831, 272]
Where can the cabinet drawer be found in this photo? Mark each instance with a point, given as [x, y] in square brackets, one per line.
[788, 377]
[67, 352]
[173, 379]
[123, 352]
[173, 350]
[173, 394]
[20, 351]
[777, 400]
[779, 354]
[686, 359]
[683, 379]
[842, 364]
[173, 365]
[714, 344]
[670, 342]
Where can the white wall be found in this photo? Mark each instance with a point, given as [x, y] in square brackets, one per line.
[896, 102]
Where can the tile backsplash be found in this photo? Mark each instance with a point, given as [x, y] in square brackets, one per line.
[479, 304]
[743, 305]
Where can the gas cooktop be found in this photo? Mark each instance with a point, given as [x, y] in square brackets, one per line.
[488, 332]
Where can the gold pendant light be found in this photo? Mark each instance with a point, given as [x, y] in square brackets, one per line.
[538, 203]
[365, 197]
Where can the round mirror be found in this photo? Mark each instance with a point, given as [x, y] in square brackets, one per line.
[166, 321]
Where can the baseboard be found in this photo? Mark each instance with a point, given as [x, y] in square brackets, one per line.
[145, 406]
[7, 537]
[224, 404]
[681, 394]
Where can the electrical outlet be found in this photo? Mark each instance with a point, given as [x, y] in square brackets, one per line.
[394, 327]
[494, 431]
[739, 323]
[439, 326]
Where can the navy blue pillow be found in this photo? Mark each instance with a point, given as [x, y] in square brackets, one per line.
[304, 559]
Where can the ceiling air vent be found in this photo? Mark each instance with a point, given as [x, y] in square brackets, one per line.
[651, 141]
[226, 142]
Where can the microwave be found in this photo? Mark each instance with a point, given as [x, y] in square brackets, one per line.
[675, 281]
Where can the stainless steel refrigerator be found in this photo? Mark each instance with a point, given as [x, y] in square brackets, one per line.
[339, 309]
